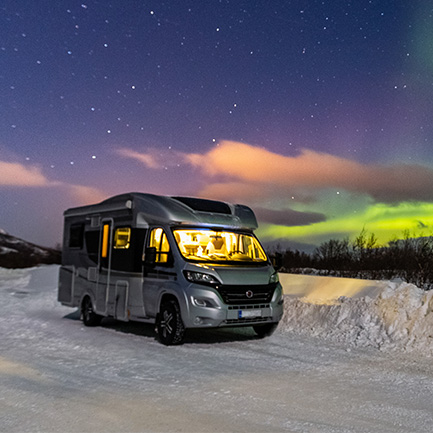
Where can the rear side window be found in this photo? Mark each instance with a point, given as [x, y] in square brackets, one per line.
[122, 238]
[76, 232]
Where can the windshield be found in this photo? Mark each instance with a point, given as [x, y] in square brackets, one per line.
[219, 246]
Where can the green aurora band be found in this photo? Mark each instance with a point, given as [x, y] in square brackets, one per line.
[387, 222]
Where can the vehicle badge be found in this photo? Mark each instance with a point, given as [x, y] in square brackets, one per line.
[249, 294]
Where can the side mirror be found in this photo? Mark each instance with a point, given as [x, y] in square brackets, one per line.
[277, 261]
[150, 256]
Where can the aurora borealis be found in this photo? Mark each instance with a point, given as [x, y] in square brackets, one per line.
[316, 114]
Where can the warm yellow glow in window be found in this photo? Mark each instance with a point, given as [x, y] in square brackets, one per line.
[155, 238]
[158, 239]
[122, 238]
[220, 246]
[105, 235]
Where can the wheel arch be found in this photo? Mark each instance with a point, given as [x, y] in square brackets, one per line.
[166, 297]
[181, 298]
[87, 295]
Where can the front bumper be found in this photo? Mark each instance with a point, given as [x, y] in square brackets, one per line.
[206, 309]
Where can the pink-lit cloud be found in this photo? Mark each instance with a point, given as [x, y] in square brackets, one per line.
[148, 159]
[232, 169]
[284, 190]
[314, 171]
[153, 158]
[15, 174]
[85, 195]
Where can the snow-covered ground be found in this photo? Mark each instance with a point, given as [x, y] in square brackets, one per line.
[321, 371]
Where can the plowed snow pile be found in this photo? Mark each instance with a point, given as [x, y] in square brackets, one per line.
[390, 315]
[381, 314]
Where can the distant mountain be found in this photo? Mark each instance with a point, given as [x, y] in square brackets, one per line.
[17, 253]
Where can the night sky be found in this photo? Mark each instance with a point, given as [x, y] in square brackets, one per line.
[317, 114]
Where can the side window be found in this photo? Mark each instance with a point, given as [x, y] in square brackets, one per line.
[76, 232]
[158, 239]
[92, 244]
[252, 248]
[122, 238]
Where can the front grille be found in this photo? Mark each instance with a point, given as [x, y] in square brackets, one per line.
[249, 307]
[248, 320]
[238, 294]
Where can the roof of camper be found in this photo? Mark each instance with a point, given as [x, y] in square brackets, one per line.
[157, 209]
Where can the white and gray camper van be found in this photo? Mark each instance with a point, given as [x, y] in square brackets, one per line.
[178, 262]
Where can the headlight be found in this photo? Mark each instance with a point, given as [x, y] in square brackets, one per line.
[274, 278]
[200, 278]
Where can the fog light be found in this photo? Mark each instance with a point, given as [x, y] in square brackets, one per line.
[198, 321]
[203, 302]
[200, 302]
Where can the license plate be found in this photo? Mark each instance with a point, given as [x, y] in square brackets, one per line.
[243, 314]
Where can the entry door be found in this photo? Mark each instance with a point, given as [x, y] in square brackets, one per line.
[104, 265]
[120, 311]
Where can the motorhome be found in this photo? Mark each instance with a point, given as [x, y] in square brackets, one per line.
[177, 262]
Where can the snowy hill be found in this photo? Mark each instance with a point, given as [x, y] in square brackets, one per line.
[17, 253]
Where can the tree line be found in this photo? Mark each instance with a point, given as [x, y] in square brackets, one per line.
[409, 258]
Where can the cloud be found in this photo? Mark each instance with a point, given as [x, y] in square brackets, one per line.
[288, 217]
[85, 194]
[148, 159]
[153, 158]
[15, 174]
[314, 171]
[296, 196]
[232, 169]
[236, 191]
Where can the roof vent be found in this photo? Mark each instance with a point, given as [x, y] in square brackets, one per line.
[203, 205]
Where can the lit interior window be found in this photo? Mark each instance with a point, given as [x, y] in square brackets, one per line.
[105, 241]
[122, 238]
[158, 239]
[219, 246]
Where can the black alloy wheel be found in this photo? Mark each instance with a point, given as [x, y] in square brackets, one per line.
[170, 327]
[90, 318]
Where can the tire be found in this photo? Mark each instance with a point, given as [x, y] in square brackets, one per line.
[90, 318]
[265, 330]
[170, 327]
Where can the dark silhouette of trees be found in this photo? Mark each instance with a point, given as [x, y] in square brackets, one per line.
[409, 258]
[333, 255]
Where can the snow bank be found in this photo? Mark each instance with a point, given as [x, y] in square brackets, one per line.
[382, 314]
[317, 289]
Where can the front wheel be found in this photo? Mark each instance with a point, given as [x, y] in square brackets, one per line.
[265, 330]
[90, 318]
[170, 327]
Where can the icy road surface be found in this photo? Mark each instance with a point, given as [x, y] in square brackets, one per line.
[58, 376]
